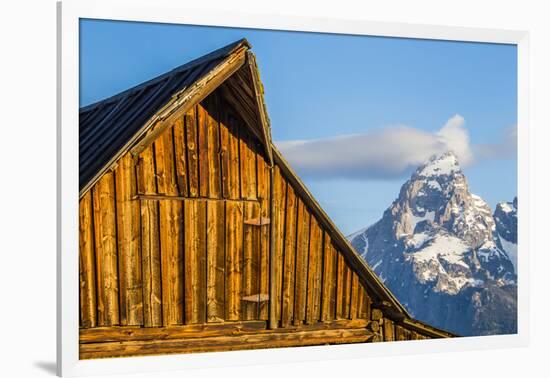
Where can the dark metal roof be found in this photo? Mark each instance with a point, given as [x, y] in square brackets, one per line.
[107, 126]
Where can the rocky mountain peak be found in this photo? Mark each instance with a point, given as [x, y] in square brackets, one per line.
[506, 220]
[438, 194]
[440, 165]
[436, 240]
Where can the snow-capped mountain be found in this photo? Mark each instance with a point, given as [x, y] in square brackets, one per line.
[506, 219]
[438, 248]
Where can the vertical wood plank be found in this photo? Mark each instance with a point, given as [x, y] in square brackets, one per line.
[195, 261]
[191, 142]
[314, 238]
[204, 167]
[88, 303]
[346, 289]
[354, 300]
[234, 256]
[289, 258]
[368, 305]
[234, 162]
[388, 330]
[247, 164]
[360, 301]
[401, 334]
[106, 251]
[180, 156]
[165, 165]
[244, 176]
[213, 133]
[364, 310]
[264, 185]
[128, 235]
[224, 153]
[216, 261]
[171, 213]
[251, 260]
[302, 255]
[146, 176]
[150, 257]
[334, 257]
[341, 265]
[329, 280]
[318, 273]
[314, 273]
[278, 221]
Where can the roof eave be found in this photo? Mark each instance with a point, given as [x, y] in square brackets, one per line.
[260, 103]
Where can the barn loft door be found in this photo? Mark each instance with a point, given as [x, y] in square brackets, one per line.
[204, 261]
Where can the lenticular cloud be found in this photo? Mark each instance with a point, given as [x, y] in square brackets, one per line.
[389, 152]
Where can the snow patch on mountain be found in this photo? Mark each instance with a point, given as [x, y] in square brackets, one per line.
[511, 250]
[445, 164]
[506, 221]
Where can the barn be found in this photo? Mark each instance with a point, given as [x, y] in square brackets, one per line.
[196, 235]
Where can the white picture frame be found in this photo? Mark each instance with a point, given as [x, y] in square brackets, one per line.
[69, 13]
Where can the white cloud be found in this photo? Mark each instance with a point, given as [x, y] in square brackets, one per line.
[389, 152]
[456, 139]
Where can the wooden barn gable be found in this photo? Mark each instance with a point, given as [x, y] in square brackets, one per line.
[196, 234]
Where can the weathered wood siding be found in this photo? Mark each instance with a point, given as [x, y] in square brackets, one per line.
[185, 241]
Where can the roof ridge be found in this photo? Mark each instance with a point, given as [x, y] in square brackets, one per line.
[218, 53]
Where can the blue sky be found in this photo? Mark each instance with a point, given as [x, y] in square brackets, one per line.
[391, 95]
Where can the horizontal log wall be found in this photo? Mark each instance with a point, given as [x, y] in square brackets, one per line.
[196, 229]
[245, 335]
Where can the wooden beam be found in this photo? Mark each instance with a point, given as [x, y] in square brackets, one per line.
[262, 110]
[261, 221]
[256, 298]
[248, 116]
[136, 333]
[161, 197]
[107, 334]
[425, 329]
[268, 339]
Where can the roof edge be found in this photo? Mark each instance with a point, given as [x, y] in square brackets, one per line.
[425, 328]
[260, 103]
